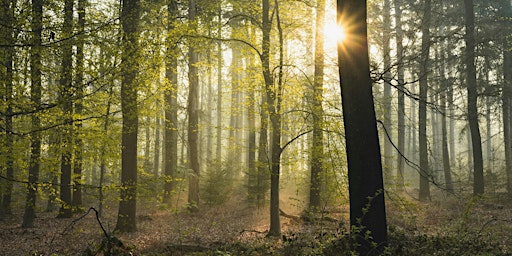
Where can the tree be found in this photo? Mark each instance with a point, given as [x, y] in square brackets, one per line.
[425, 173]
[66, 87]
[193, 117]
[386, 38]
[35, 98]
[7, 75]
[478, 171]
[366, 188]
[126, 218]
[79, 85]
[171, 105]
[507, 94]
[317, 152]
[400, 182]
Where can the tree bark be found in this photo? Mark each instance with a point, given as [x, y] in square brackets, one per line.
[193, 119]
[400, 181]
[66, 87]
[171, 105]
[478, 171]
[35, 97]
[317, 150]
[366, 188]
[507, 97]
[425, 173]
[6, 186]
[126, 218]
[388, 148]
[80, 83]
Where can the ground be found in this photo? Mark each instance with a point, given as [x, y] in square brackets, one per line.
[446, 226]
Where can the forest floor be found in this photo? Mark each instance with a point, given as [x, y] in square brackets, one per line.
[450, 226]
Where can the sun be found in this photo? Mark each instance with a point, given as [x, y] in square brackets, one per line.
[334, 33]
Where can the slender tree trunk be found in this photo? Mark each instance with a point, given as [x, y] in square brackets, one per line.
[158, 148]
[366, 188]
[66, 85]
[218, 150]
[252, 182]
[317, 151]
[400, 181]
[126, 218]
[6, 186]
[103, 158]
[478, 171]
[425, 173]
[35, 97]
[171, 105]
[80, 83]
[193, 119]
[388, 148]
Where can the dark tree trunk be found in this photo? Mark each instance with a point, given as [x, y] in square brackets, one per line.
[425, 173]
[400, 181]
[35, 97]
[6, 186]
[171, 105]
[193, 119]
[66, 87]
[366, 189]
[507, 97]
[317, 151]
[478, 171]
[130, 13]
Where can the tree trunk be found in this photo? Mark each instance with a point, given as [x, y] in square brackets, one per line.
[80, 83]
[478, 171]
[317, 151]
[218, 149]
[193, 119]
[400, 181]
[171, 105]
[126, 218]
[388, 148]
[158, 148]
[7, 54]
[35, 97]
[366, 189]
[66, 86]
[425, 173]
[507, 98]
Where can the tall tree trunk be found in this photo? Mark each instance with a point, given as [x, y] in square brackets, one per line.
[103, 158]
[171, 104]
[193, 118]
[317, 151]
[252, 181]
[400, 181]
[218, 150]
[158, 148]
[66, 87]
[130, 13]
[425, 173]
[6, 186]
[366, 188]
[388, 149]
[444, 131]
[35, 97]
[478, 171]
[507, 97]
[80, 83]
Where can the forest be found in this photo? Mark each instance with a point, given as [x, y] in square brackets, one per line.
[255, 127]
